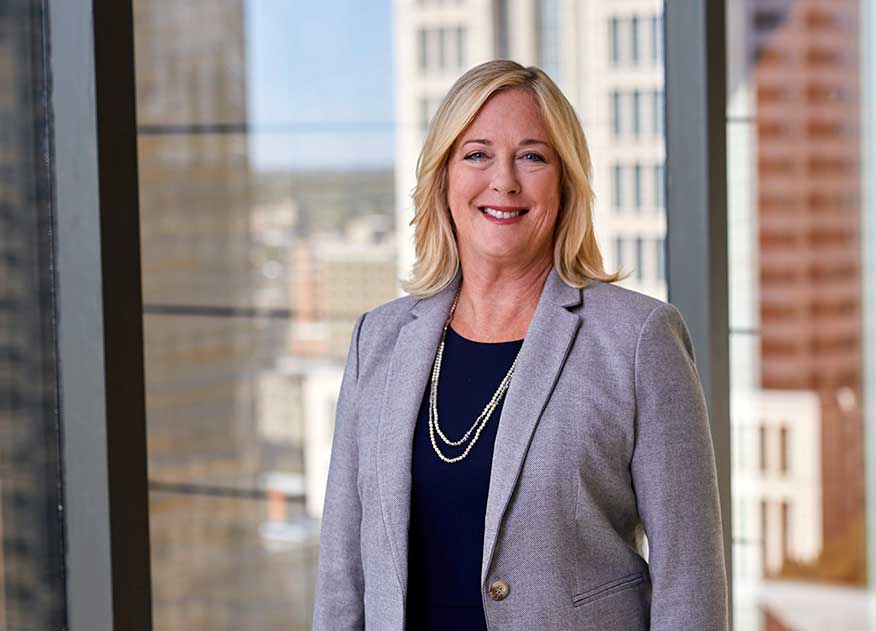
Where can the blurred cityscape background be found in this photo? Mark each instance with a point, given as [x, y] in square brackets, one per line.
[277, 143]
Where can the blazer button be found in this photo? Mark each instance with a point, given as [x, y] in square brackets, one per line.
[499, 590]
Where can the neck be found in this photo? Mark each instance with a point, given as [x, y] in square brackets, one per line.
[496, 304]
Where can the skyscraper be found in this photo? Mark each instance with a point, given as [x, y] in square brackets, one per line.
[805, 80]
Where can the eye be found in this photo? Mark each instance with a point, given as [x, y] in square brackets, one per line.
[473, 154]
[537, 158]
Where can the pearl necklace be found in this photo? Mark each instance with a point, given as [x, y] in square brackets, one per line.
[481, 421]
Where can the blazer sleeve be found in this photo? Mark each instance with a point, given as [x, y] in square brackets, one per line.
[675, 481]
[340, 581]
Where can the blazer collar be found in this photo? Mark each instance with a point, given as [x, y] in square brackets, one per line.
[542, 356]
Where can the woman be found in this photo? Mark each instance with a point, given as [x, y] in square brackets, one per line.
[507, 433]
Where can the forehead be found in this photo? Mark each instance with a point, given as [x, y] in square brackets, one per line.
[509, 114]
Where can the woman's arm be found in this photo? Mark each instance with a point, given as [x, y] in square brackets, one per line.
[673, 469]
[340, 582]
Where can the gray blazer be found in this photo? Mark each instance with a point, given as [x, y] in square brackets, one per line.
[604, 433]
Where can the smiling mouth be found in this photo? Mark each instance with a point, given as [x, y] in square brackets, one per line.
[501, 214]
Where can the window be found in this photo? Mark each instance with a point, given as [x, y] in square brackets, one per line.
[637, 186]
[441, 49]
[259, 251]
[783, 180]
[548, 36]
[634, 39]
[616, 114]
[657, 39]
[636, 113]
[763, 447]
[764, 533]
[268, 220]
[640, 260]
[659, 187]
[783, 449]
[657, 111]
[614, 41]
[461, 34]
[501, 30]
[425, 113]
[786, 528]
[444, 46]
[423, 49]
[32, 537]
[617, 186]
[660, 260]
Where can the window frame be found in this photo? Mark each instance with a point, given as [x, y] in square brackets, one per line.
[99, 315]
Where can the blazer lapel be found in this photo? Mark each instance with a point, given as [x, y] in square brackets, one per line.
[409, 369]
[544, 351]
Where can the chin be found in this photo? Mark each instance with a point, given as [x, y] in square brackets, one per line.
[504, 250]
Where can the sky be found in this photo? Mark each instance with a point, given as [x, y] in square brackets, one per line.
[320, 84]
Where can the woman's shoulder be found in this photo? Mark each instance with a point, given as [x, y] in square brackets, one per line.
[391, 312]
[638, 318]
[384, 320]
[619, 304]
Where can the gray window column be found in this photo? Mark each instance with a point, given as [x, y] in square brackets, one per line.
[100, 330]
[696, 208]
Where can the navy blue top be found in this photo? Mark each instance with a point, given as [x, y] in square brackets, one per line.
[449, 501]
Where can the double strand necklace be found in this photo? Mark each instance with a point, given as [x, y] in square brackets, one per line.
[481, 421]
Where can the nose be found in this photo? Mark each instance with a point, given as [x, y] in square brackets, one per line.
[505, 178]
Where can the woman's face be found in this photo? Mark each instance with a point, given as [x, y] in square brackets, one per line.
[503, 183]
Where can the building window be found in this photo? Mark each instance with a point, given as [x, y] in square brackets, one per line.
[619, 251]
[617, 186]
[659, 187]
[786, 528]
[783, 449]
[637, 118]
[548, 36]
[423, 48]
[637, 186]
[614, 40]
[461, 34]
[424, 114]
[763, 447]
[660, 262]
[615, 113]
[634, 39]
[501, 13]
[657, 39]
[443, 36]
[764, 530]
[441, 49]
[657, 112]
[640, 259]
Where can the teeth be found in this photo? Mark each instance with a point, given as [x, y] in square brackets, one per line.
[500, 214]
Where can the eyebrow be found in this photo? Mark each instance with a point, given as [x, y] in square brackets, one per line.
[523, 143]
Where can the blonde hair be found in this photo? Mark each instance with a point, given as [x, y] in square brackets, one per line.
[576, 253]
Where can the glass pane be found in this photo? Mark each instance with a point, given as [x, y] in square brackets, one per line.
[801, 392]
[31, 534]
[277, 146]
[240, 562]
